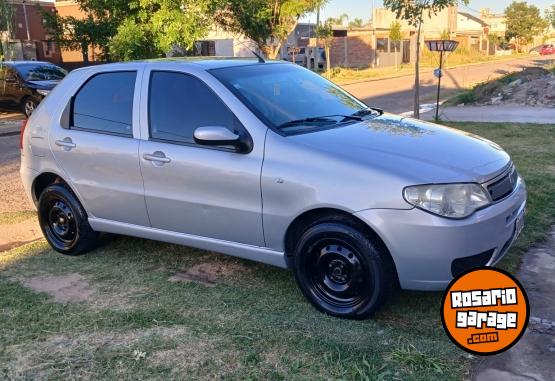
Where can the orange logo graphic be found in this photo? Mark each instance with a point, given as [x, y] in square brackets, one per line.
[485, 311]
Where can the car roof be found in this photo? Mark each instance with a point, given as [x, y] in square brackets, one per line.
[15, 63]
[206, 63]
[212, 62]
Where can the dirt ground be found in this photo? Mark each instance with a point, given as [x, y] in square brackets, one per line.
[534, 86]
[17, 223]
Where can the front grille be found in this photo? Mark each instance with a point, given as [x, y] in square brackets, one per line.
[462, 265]
[504, 186]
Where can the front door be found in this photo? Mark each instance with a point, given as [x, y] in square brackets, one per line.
[406, 51]
[209, 192]
[99, 148]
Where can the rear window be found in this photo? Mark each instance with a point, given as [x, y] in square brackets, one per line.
[105, 104]
[40, 72]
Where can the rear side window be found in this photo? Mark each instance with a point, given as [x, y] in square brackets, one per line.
[105, 104]
[180, 103]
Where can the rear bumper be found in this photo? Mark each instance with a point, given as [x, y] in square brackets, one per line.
[424, 246]
[28, 176]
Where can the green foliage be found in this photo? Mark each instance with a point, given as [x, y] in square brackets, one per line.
[356, 23]
[341, 20]
[6, 12]
[395, 34]
[414, 11]
[550, 15]
[6, 21]
[131, 42]
[524, 22]
[324, 31]
[266, 22]
[79, 34]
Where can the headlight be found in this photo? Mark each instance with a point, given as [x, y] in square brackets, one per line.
[450, 200]
[43, 92]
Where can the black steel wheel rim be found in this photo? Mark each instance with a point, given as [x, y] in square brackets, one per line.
[60, 224]
[338, 274]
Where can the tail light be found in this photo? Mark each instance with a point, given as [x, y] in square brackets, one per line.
[22, 132]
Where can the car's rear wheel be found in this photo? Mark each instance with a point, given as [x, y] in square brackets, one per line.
[64, 221]
[341, 271]
[28, 105]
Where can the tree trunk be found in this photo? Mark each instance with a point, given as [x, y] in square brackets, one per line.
[417, 73]
[328, 61]
[85, 52]
[396, 69]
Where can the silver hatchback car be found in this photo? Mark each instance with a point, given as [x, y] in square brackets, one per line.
[269, 162]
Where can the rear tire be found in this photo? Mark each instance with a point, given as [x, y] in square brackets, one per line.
[28, 105]
[64, 222]
[341, 271]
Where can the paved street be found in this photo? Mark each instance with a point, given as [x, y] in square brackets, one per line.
[396, 94]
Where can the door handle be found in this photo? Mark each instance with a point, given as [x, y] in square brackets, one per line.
[157, 157]
[67, 144]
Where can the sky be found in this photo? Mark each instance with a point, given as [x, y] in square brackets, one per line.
[363, 8]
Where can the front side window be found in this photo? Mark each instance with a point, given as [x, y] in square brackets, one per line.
[180, 103]
[105, 104]
[288, 97]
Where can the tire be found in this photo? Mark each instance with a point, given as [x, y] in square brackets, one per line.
[341, 271]
[28, 105]
[64, 222]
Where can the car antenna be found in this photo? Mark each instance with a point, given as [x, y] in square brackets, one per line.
[260, 58]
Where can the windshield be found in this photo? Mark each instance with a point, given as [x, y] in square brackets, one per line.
[290, 97]
[41, 72]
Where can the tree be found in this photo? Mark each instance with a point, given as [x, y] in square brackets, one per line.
[267, 22]
[6, 27]
[341, 20]
[79, 34]
[550, 15]
[131, 42]
[325, 34]
[395, 36]
[126, 30]
[524, 22]
[356, 23]
[413, 12]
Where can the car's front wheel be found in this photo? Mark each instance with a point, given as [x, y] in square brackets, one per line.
[64, 222]
[341, 271]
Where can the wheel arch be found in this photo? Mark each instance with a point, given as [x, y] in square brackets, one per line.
[313, 216]
[44, 180]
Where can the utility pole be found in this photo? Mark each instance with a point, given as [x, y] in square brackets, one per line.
[26, 20]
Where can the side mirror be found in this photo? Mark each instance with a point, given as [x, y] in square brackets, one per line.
[215, 136]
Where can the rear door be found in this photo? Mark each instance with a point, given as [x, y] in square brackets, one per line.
[203, 191]
[98, 149]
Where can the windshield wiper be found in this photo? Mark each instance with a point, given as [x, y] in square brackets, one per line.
[320, 119]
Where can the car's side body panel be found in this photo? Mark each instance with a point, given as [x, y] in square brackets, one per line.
[203, 191]
[104, 169]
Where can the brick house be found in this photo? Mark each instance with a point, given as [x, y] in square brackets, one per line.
[29, 40]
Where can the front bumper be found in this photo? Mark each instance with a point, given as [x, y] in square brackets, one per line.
[424, 246]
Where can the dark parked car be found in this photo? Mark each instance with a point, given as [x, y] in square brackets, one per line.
[26, 83]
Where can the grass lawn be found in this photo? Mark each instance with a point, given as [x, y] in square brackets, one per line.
[347, 75]
[125, 311]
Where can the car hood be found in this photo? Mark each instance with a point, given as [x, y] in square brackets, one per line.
[45, 85]
[424, 152]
